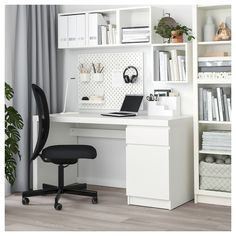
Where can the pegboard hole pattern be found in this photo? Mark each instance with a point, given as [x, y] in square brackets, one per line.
[113, 96]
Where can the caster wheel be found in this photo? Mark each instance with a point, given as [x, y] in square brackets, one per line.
[25, 201]
[58, 206]
[94, 200]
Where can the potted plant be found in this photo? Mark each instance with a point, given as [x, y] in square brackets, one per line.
[174, 32]
[13, 123]
[177, 33]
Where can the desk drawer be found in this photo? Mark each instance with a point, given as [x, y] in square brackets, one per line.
[147, 135]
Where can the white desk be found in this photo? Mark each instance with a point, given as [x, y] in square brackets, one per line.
[151, 156]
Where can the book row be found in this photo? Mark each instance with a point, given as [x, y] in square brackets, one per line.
[215, 104]
[170, 65]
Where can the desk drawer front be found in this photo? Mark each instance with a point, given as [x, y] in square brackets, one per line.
[147, 135]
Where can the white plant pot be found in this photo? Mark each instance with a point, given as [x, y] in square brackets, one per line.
[7, 188]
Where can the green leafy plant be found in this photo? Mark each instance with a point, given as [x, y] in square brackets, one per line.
[165, 30]
[13, 123]
[182, 29]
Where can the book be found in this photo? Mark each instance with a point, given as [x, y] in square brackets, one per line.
[213, 108]
[229, 107]
[104, 34]
[205, 110]
[162, 66]
[157, 65]
[163, 58]
[209, 105]
[226, 107]
[214, 69]
[171, 69]
[114, 34]
[181, 65]
[216, 109]
[94, 20]
[183, 68]
[220, 103]
[174, 56]
[200, 103]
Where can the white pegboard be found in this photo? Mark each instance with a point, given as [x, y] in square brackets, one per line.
[114, 96]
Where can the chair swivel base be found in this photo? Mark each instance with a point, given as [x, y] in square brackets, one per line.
[75, 189]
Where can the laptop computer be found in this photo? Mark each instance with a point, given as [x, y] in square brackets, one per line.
[129, 107]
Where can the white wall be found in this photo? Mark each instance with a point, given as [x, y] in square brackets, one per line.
[68, 57]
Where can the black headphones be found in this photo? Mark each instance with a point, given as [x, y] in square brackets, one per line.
[129, 79]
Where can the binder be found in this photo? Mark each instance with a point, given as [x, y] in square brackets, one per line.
[94, 21]
[62, 32]
[80, 30]
[72, 34]
[174, 56]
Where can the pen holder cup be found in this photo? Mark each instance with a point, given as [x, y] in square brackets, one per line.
[84, 77]
[165, 106]
[98, 77]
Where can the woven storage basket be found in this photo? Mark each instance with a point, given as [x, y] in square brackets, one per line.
[215, 176]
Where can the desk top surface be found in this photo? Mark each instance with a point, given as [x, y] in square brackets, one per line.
[96, 118]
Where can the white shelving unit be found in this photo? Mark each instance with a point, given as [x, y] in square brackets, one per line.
[187, 47]
[120, 17]
[125, 17]
[200, 13]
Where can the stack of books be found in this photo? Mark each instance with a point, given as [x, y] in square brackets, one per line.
[214, 64]
[216, 140]
[170, 65]
[215, 104]
[140, 34]
[106, 34]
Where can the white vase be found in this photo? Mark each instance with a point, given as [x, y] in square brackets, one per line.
[7, 188]
[209, 30]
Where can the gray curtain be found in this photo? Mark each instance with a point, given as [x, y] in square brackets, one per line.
[35, 62]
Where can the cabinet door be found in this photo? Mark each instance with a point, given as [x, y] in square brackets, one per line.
[62, 32]
[147, 171]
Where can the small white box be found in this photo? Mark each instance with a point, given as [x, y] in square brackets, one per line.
[97, 77]
[165, 106]
[84, 77]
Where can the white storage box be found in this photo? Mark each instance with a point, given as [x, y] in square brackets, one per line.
[165, 106]
[215, 176]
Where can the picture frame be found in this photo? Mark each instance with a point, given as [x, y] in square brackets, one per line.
[162, 92]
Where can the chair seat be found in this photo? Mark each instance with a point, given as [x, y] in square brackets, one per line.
[68, 154]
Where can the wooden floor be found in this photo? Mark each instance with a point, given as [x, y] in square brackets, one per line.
[111, 213]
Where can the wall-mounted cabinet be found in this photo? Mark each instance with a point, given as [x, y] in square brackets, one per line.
[105, 27]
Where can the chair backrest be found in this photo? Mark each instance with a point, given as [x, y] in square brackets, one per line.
[44, 121]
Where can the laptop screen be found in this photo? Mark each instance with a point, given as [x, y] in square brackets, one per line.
[131, 103]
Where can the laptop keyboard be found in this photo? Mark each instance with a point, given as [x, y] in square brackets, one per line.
[123, 113]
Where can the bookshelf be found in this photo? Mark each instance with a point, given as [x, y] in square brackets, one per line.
[168, 47]
[201, 49]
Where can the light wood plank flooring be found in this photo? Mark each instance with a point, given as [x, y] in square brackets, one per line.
[111, 214]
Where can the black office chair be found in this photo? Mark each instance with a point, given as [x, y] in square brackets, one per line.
[61, 155]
